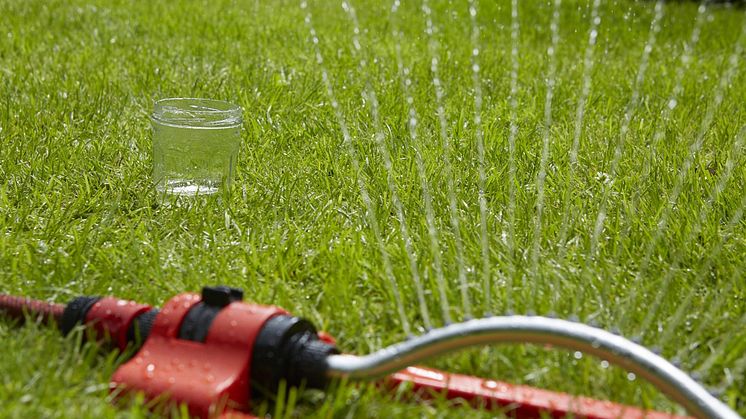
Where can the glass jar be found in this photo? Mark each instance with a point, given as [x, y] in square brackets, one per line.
[195, 145]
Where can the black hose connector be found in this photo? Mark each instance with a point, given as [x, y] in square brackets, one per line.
[288, 348]
[197, 322]
[140, 327]
[75, 313]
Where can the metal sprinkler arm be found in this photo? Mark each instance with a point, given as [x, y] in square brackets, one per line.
[538, 330]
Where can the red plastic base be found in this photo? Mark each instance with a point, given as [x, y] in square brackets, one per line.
[518, 401]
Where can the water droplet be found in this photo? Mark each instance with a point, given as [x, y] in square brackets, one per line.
[492, 385]
[631, 376]
[604, 364]
[578, 355]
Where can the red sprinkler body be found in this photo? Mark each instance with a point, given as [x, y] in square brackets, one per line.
[203, 370]
[215, 353]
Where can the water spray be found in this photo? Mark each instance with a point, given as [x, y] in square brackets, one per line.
[216, 354]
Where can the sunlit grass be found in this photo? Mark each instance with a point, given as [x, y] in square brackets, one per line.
[78, 214]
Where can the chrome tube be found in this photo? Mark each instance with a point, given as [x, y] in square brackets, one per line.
[673, 382]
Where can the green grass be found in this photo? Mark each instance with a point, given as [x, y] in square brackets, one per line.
[78, 214]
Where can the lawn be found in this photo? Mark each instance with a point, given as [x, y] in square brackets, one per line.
[628, 216]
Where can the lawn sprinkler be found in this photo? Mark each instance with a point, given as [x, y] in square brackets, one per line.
[216, 354]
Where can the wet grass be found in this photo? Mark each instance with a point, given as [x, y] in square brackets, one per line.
[78, 214]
